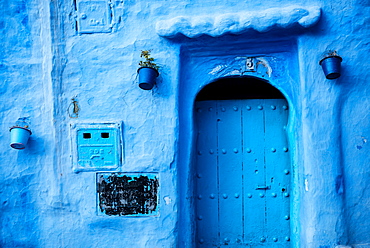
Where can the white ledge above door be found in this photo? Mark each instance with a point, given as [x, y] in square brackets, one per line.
[239, 22]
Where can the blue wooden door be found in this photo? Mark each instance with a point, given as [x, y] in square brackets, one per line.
[242, 174]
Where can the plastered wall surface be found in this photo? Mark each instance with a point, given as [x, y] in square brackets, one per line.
[46, 60]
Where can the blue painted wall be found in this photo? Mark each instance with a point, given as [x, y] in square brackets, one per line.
[45, 62]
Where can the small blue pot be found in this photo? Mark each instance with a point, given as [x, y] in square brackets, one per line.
[331, 66]
[147, 77]
[19, 137]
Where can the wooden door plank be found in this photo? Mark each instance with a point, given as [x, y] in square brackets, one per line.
[277, 211]
[254, 170]
[230, 172]
[206, 173]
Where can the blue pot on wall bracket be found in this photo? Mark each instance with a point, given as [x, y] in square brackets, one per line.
[331, 65]
[19, 137]
[147, 77]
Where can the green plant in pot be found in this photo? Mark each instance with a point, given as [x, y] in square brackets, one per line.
[148, 71]
[331, 64]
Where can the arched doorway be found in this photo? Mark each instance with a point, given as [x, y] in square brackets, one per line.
[242, 165]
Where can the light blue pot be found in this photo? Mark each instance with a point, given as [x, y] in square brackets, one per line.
[19, 137]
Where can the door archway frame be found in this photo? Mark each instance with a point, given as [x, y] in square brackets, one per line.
[279, 69]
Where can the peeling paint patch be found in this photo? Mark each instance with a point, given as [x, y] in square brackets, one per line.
[167, 200]
[306, 184]
[235, 72]
[265, 64]
[361, 141]
[243, 65]
[127, 194]
[217, 69]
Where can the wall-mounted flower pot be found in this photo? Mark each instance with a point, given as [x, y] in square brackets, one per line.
[19, 137]
[147, 77]
[331, 66]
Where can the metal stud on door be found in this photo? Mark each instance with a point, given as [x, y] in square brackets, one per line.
[242, 177]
